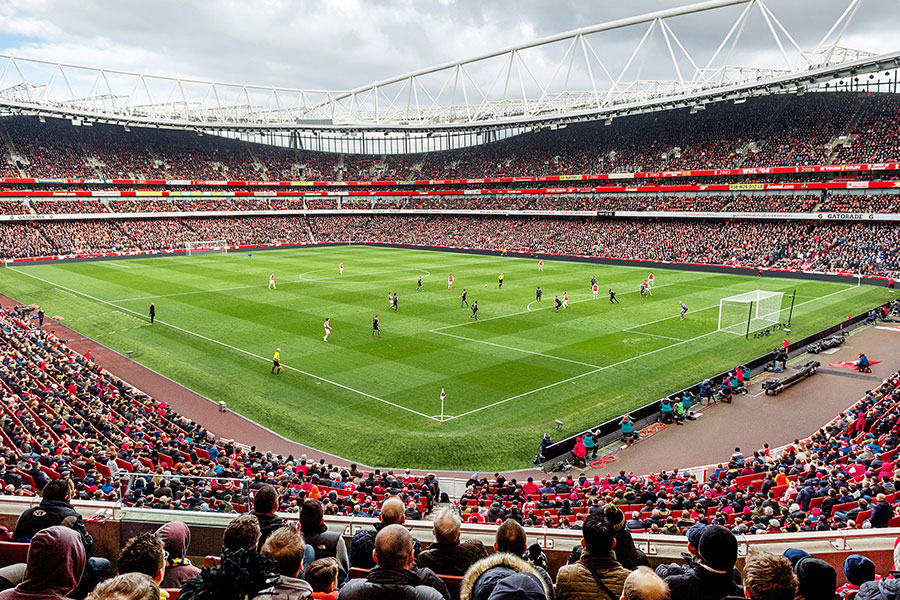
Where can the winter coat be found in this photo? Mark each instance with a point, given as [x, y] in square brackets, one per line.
[482, 577]
[56, 561]
[176, 537]
[885, 589]
[364, 543]
[626, 552]
[582, 580]
[47, 514]
[451, 559]
[396, 584]
[268, 524]
[699, 583]
[288, 588]
[330, 544]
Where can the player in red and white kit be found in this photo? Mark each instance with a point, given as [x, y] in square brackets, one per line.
[565, 302]
[595, 290]
[341, 268]
[450, 282]
[272, 282]
[650, 280]
[390, 300]
[541, 265]
[327, 327]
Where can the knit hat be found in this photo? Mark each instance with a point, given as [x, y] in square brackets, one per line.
[718, 548]
[818, 579]
[858, 569]
[614, 516]
[794, 554]
[694, 533]
[521, 586]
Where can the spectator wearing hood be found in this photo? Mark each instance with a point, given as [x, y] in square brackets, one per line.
[710, 577]
[521, 586]
[484, 576]
[817, 579]
[176, 537]
[56, 561]
[597, 574]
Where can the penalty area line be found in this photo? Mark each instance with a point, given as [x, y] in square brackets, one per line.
[230, 347]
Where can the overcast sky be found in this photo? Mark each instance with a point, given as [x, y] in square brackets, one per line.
[342, 44]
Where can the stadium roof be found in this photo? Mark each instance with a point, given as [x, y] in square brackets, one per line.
[620, 67]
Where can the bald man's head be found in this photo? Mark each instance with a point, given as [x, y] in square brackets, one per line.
[392, 512]
[394, 548]
[644, 584]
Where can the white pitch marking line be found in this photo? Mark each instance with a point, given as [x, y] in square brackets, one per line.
[622, 362]
[230, 347]
[668, 337]
[577, 362]
[696, 310]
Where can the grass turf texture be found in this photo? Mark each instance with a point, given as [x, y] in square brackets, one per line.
[507, 377]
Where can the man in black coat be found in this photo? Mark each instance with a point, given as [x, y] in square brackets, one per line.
[265, 503]
[53, 510]
[710, 577]
[394, 575]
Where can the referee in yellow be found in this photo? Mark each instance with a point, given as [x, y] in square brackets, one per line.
[276, 362]
[500, 281]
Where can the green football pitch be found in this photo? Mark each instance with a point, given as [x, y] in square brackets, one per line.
[507, 377]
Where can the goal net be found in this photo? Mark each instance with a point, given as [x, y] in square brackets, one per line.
[749, 312]
[205, 246]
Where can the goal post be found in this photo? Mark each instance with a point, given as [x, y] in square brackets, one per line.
[748, 312]
[205, 246]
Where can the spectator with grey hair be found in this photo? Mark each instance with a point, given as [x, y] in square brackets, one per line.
[644, 584]
[448, 555]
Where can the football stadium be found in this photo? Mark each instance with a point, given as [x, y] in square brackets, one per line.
[625, 275]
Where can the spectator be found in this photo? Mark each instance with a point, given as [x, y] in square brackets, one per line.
[392, 513]
[394, 575]
[817, 580]
[626, 552]
[597, 574]
[881, 513]
[521, 586]
[55, 509]
[644, 584]
[857, 570]
[144, 554]
[242, 532]
[710, 578]
[56, 560]
[325, 543]
[769, 577]
[176, 537]
[448, 555]
[242, 573]
[322, 577]
[286, 548]
[130, 586]
[265, 503]
[693, 537]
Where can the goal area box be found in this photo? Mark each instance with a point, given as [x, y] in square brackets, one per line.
[748, 312]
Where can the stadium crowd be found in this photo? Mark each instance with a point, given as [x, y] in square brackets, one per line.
[817, 128]
[857, 248]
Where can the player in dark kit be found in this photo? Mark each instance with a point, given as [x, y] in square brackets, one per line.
[593, 281]
[375, 327]
[394, 301]
[419, 285]
[462, 298]
[474, 314]
[538, 293]
[558, 303]
[612, 297]
[152, 312]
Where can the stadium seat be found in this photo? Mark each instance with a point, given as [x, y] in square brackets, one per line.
[210, 561]
[12, 553]
[357, 573]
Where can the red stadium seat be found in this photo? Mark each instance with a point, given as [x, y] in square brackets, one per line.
[12, 553]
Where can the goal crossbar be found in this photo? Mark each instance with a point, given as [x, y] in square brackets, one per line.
[748, 312]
